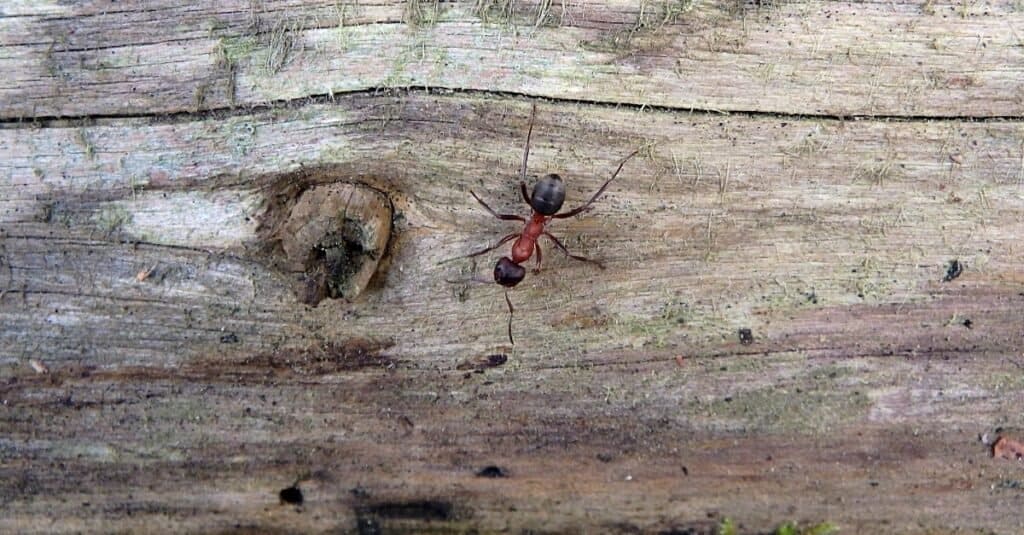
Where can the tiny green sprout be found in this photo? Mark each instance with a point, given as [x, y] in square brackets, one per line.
[791, 528]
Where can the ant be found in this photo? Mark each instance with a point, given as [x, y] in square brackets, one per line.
[545, 201]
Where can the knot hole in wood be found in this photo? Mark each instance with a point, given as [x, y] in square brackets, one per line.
[334, 237]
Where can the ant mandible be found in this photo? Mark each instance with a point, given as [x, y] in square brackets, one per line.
[545, 202]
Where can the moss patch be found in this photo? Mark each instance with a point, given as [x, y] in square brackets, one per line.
[112, 219]
[811, 403]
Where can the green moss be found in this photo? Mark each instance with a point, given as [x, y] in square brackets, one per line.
[810, 404]
[344, 35]
[276, 47]
[1004, 382]
[398, 75]
[231, 50]
[871, 282]
[490, 11]
[111, 219]
[336, 153]
[420, 13]
[676, 320]
[670, 11]
[240, 134]
[82, 138]
[655, 331]
[790, 295]
[645, 30]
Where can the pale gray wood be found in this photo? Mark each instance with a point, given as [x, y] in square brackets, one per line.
[160, 372]
[828, 58]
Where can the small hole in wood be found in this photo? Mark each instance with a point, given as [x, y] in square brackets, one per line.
[291, 495]
[331, 236]
[492, 472]
[746, 336]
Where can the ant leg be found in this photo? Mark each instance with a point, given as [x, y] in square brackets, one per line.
[526, 150]
[536, 247]
[576, 211]
[561, 247]
[506, 217]
[510, 311]
[485, 250]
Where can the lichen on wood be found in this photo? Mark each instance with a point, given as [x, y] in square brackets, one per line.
[809, 314]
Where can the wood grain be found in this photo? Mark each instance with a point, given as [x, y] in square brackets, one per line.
[804, 317]
[830, 58]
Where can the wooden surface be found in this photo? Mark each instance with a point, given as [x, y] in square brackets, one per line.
[811, 308]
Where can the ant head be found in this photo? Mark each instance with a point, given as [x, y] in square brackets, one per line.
[548, 195]
[507, 273]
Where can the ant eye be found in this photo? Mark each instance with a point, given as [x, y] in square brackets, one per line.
[548, 195]
[507, 273]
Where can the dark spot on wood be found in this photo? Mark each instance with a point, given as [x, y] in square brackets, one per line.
[333, 262]
[349, 355]
[968, 323]
[492, 472]
[230, 338]
[367, 526]
[686, 471]
[359, 492]
[326, 233]
[953, 270]
[291, 495]
[413, 510]
[481, 363]
[605, 457]
[746, 336]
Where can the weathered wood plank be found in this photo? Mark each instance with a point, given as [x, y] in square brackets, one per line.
[839, 213]
[188, 383]
[827, 58]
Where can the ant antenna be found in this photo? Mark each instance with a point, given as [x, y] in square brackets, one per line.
[510, 311]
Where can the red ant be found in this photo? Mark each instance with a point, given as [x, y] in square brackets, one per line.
[545, 201]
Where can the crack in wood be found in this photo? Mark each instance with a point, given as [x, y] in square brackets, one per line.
[177, 117]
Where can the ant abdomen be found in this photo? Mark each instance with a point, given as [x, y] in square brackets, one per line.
[548, 195]
[507, 273]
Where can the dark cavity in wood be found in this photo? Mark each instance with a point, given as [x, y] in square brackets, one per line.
[492, 471]
[328, 235]
[291, 495]
[746, 336]
[412, 510]
[483, 362]
[953, 270]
